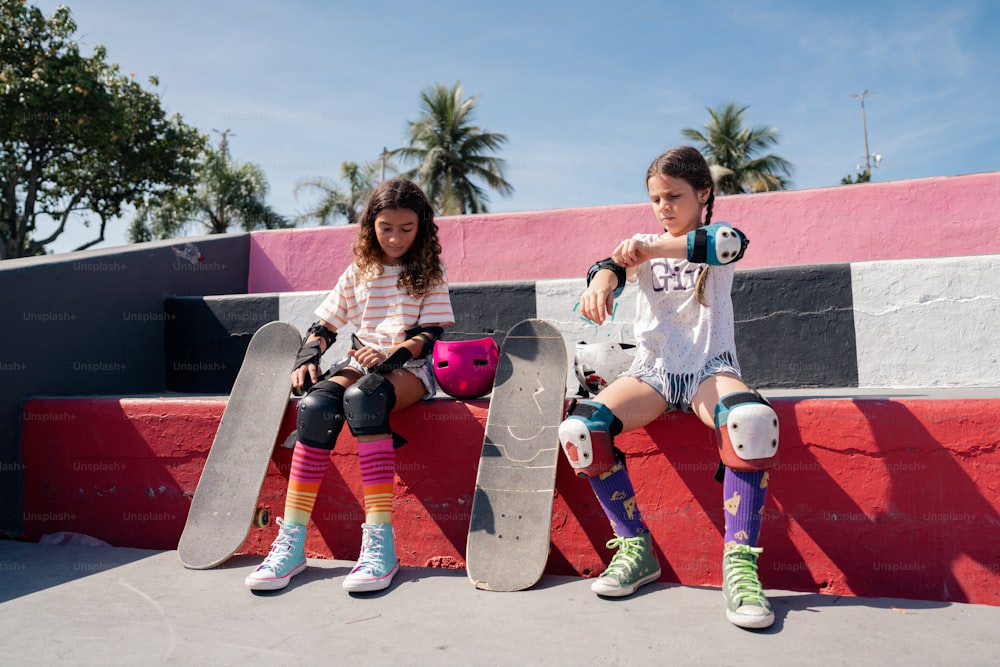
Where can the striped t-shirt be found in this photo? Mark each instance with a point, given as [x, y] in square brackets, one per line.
[380, 310]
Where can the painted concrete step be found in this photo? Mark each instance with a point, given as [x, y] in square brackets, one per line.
[875, 494]
[901, 323]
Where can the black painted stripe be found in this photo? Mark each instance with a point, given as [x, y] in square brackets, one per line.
[795, 326]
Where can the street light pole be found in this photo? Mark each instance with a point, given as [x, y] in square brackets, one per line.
[864, 124]
[224, 142]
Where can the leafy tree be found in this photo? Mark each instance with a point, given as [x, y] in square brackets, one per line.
[864, 176]
[79, 141]
[452, 153]
[735, 153]
[338, 201]
[227, 194]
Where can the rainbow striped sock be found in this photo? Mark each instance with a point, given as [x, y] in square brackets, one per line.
[309, 465]
[377, 468]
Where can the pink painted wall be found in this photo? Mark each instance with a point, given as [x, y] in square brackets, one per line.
[931, 217]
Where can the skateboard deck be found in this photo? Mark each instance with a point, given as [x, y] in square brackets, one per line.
[511, 523]
[225, 503]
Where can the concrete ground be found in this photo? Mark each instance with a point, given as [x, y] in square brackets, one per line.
[114, 606]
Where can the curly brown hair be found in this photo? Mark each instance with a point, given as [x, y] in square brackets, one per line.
[421, 265]
[687, 164]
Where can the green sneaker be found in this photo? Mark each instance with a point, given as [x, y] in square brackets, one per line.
[746, 605]
[634, 565]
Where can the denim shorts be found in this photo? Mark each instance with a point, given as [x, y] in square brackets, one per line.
[678, 389]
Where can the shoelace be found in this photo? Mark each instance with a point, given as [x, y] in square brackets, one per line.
[627, 555]
[371, 554]
[741, 574]
[281, 549]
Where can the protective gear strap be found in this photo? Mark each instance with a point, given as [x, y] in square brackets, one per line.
[367, 405]
[716, 244]
[747, 431]
[587, 438]
[320, 415]
[608, 263]
[320, 330]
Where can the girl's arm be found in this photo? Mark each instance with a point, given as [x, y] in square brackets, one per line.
[419, 343]
[630, 253]
[598, 301]
[716, 244]
[318, 340]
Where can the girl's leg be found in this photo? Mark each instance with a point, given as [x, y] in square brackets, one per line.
[377, 563]
[320, 420]
[635, 404]
[744, 494]
[377, 454]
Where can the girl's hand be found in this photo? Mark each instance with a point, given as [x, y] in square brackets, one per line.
[302, 373]
[631, 252]
[368, 356]
[598, 300]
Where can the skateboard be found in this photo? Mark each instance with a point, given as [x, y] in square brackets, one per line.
[511, 522]
[225, 503]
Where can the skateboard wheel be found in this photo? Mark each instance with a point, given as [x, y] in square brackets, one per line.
[261, 518]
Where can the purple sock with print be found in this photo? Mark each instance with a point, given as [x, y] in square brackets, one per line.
[615, 493]
[743, 495]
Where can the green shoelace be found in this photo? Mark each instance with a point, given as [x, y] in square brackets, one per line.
[740, 571]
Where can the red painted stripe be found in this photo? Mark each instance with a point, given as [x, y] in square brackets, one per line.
[894, 498]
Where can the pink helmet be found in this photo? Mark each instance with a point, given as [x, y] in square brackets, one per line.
[466, 368]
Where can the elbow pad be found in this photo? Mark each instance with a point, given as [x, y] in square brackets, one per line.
[716, 244]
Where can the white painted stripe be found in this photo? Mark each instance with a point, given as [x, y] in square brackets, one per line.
[927, 322]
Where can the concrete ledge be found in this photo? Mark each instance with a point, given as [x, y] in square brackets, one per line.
[875, 495]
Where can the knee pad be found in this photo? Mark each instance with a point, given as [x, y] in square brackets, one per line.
[367, 405]
[587, 438]
[747, 430]
[321, 415]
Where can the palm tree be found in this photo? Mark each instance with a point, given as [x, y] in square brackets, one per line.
[227, 194]
[338, 202]
[733, 152]
[451, 153]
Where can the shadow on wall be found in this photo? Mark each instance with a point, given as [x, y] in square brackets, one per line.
[903, 516]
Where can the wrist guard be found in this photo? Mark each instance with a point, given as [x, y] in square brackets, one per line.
[393, 362]
[608, 263]
[309, 353]
[428, 335]
[319, 330]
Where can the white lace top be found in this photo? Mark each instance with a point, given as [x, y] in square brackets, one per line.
[677, 337]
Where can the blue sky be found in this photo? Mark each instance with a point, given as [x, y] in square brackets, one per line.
[586, 92]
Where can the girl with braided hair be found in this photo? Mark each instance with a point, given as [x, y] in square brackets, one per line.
[685, 359]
